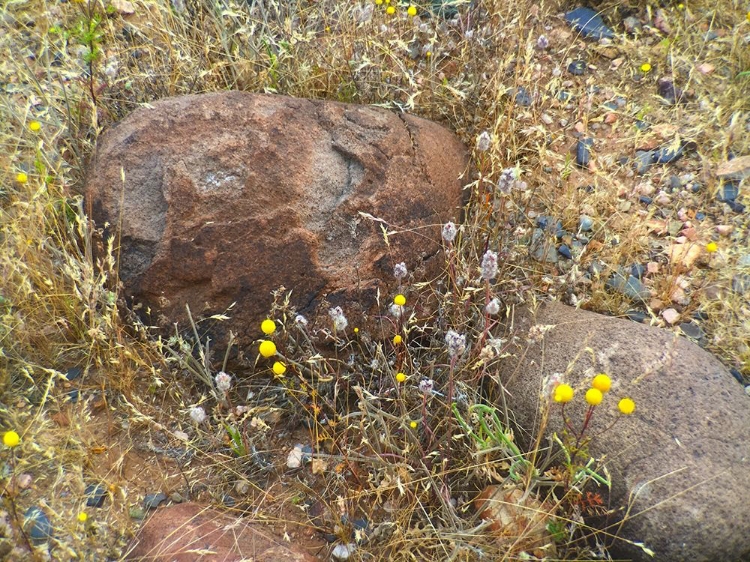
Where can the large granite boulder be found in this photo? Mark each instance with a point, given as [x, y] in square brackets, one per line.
[680, 464]
[228, 196]
[189, 532]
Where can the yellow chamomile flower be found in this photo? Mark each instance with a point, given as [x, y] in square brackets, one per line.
[626, 406]
[602, 383]
[413, 424]
[11, 439]
[400, 377]
[279, 368]
[267, 348]
[390, 10]
[646, 67]
[378, 2]
[428, 54]
[594, 396]
[21, 177]
[563, 393]
[35, 126]
[712, 247]
[397, 339]
[356, 330]
[400, 300]
[268, 326]
[83, 517]
[747, 17]
[412, 11]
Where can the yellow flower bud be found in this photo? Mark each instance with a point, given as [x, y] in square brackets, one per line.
[279, 368]
[400, 377]
[268, 326]
[397, 339]
[400, 300]
[626, 406]
[267, 348]
[563, 393]
[594, 396]
[602, 383]
[11, 439]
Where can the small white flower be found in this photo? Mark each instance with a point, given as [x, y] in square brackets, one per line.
[449, 232]
[223, 381]
[493, 307]
[456, 343]
[397, 310]
[399, 271]
[484, 141]
[489, 265]
[339, 320]
[542, 42]
[426, 386]
[198, 414]
[300, 320]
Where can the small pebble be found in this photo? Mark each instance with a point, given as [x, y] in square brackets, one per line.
[577, 68]
[585, 223]
[588, 23]
[674, 183]
[37, 525]
[638, 270]
[343, 551]
[522, 96]
[565, 252]
[632, 25]
[547, 119]
[667, 90]
[176, 497]
[629, 286]
[728, 192]
[152, 501]
[667, 154]
[95, 495]
[693, 331]
[645, 200]
[670, 315]
[228, 500]
[137, 512]
[583, 152]
[643, 161]
[73, 373]
[700, 216]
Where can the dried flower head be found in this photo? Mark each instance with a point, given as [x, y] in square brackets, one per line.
[456, 343]
[399, 271]
[300, 320]
[509, 180]
[397, 310]
[223, 381]
[198, 414]
[493, 307]
[426, 386]
[484, 141]
[449, 232]
[489, 265]
[542, 42]
[339, 320]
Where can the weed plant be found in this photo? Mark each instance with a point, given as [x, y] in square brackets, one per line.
[406, 425]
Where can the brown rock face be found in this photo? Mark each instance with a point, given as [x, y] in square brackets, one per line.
[228, 196]
[189, 532]
[680, 462]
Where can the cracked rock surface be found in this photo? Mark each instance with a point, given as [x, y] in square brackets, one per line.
[228, 196]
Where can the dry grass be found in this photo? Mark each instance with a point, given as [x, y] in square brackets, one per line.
[78, 67]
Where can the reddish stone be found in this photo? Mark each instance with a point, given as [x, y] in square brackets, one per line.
[228, 196]
[189, 532]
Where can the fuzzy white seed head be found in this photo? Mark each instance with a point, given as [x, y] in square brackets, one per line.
[223, 381]
[198, 414]
[542, 42]
[456, 343]
[426, 386]
[399, 271]
[449, 232]
[489, 265]
[493, 307]
[339, 320]
[484, 141]
[300, 320]
[397, 311]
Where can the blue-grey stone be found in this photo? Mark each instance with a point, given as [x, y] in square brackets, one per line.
[645, 199]
[737, 375]
[564, 251]
[668, 154]
[95, 495]
[728, 192]
[522, 96]
[583, 152]
[693, 331]
[642, 125]
[643, 160]
[585, 223]
[700, 216]
[629, 286]
[152, 501]
[741, 283]
[73, 373]
[37, 525]
[637, 316]
[638, 270]
[564, 96]
[228, 500]
[73, 395]
[588, 23]
[540, 248]
[577, 68]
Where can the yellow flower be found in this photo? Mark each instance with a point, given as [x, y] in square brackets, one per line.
[378, 2]
[267, 348]
[602, 383]
[626, 406]
[412, 11]
[400, 300]
[83, 516]
[711, 247]
[356, 330]
[400, 377]
[594, 396]
[428, 54]
[11, 439]
[397, 339]
[390, 10]
[268, 326]
[645, 67]
[680, 6]
[563, 393]
[413, 424]
[35, 126]
[747, 17]
[279, 368]
[21, 177]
